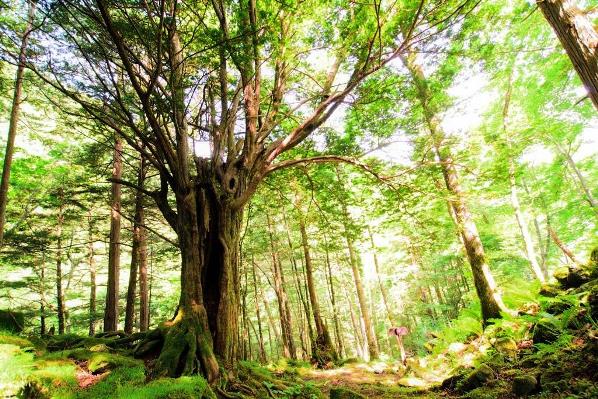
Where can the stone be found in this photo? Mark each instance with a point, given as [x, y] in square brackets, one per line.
[477, 378]
[506, 346]
[545, 332]
[343, 393]
[558, 307]
[549, 290]
[524, 385]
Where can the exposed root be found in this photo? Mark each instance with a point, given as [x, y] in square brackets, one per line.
[187, 347]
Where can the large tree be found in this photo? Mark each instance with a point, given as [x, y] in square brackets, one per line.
[251, 81]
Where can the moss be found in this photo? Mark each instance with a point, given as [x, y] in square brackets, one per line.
[524, 385]
[7, 338]
[102, 361]
[171, 388]
[478, 377]
[342, 393]
[545, 331]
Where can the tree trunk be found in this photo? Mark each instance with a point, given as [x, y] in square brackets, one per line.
[14, 118]
[363, 306]
[138, 233]
[568, 253]
[144, 309]
[578, 36]
[112, 290]
[60, 307]
[335, 313]
[283, 304]
[490, 298]
[583, 184]
[262, 349]
[92, 277]
[389, 312]
[323, 351]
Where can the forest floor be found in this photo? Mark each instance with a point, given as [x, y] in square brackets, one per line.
[550, 350]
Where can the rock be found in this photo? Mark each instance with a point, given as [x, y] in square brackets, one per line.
[569, 277]
[545, 331]
[12, 321]
[506, 346]
[524, 385]
[550, 290]
[558, 307]
[477, 378]
[457, 347]
[342, 393]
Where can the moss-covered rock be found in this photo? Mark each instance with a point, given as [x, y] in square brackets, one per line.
[558, 307]
[550, 290]
[545, 331]
[476, 378]
[524, 385]
[343, 393]
[506, 346]
[569, 277]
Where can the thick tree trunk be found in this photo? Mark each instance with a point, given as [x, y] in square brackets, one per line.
[60, 307]
[578, 36]
[490, 298]
[14, 118]
[92, 277]
[138, 237]
[283, 303]
[323, 351]
[112, 290]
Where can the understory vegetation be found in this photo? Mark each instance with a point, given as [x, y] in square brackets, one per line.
[282, 199]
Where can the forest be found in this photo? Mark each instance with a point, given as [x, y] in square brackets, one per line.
[281, 199]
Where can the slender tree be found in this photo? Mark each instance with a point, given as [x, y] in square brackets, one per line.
[14, 116]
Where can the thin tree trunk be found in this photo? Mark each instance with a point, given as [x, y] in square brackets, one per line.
[568, 253]
[144, 307]
[92, 276]
[262, 349]
[283, 305]
[42, 292]
[530, 252]
[14, 118]
[581, 180]
[578, 36]
[135, 250]
[112, 290]
[335, 314]
[323, 350]
[490, 298]
[60, 307]
[389, 312]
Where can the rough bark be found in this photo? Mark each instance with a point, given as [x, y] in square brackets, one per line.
[486, 289]
[262, 349]
[323, 351]
[14, 118]
[578, 36]
[144, 308]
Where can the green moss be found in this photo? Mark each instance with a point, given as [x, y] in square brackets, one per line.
[99, 361]
[171, 388]
[7, 338]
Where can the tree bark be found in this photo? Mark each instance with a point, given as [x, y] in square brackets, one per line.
[144, 308]
[578, 36]
[138, 237]
[333, 302]
[323, 351]
[112, 290]
[568, 253]
[486, 289]
[60, 306]
[262, 349]
[92, 276]
[14, 118]
[283, 303]
[389, 312]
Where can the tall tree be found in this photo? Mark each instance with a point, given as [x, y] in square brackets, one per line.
[160, 76]
[112, 289]
[14, 116]
[578, 36]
